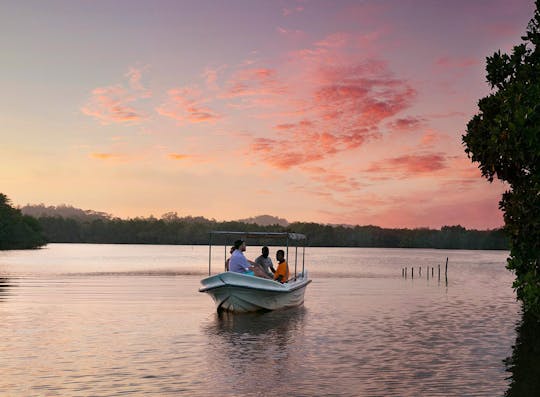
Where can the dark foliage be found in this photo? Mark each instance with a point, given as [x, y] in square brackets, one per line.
[196, 231]
[504, 138]
[18, 231]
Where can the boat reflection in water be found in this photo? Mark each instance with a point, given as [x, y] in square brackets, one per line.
[256, 351]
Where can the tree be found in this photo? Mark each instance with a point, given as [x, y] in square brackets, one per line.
[504, 138]
[17, 231]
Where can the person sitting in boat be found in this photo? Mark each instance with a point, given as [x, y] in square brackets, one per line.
[282, 272]
[263, 265]
[229, 259]
[238, 262]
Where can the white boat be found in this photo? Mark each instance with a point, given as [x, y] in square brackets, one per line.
[241, 293]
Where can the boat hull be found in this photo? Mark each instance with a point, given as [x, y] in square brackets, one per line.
[240, 293]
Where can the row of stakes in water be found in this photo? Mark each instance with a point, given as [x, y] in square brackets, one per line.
[405, 270]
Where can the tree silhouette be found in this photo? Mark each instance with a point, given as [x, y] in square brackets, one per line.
[504, 138]
[18, 231]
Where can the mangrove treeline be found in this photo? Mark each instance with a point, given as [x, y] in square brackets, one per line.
[195, 230]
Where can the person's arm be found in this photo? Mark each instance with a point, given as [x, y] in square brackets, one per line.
[271, 267]
[248, 265]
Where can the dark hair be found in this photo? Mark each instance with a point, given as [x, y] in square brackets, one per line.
[265, 249]
[238, 243]
[280, 251]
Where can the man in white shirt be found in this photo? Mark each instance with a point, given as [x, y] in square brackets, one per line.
[265, 264]
[238, 262]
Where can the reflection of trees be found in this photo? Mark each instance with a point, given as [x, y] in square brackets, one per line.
[4, 288]
[255, 351]
[524, 364]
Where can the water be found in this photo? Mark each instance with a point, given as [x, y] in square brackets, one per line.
[108, 320]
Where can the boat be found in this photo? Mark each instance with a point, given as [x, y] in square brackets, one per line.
[241, 293]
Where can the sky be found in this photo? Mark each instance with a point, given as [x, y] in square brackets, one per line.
[340, 112]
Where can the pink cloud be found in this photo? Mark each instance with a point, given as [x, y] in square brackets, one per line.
[410, 165]
[334, 40]
[333, 180]
[309, 54]
[429, 138]
[344, 109]
[187, 104]
[407, 123]
[253, 82]
[114, 104]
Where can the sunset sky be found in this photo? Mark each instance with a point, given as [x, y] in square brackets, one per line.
[326, 111]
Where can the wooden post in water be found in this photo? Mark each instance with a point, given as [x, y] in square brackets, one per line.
[439, 266]
[405, 272]
[431, 271]
[412, 271]
[419, 271]
[427, 272]
[446, 272]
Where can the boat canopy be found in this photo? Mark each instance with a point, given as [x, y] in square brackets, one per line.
[290, 236]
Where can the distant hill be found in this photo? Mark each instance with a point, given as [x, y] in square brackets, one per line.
[70, 212]
[64, 211]
[66, 224]
[266, 220]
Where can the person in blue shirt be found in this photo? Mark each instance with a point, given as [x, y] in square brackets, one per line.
[239, 263]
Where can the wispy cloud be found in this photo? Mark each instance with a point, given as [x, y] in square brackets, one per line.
[115, 103]
[291, 33]
[178, 156]
[187, 105]
[252, 82]
[334, 40]
[111, 157]
[211, 76]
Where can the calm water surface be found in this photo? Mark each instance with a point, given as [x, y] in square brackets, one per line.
[108, 320]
